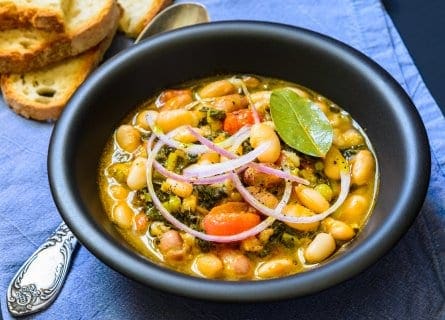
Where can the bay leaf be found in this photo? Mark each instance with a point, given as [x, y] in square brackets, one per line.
[300, 123]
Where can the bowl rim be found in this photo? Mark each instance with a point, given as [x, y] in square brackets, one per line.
[139, 269]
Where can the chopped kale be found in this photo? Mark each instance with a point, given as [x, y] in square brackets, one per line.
[208, 196]
[205, 246]
[283, 234]
[216, 114]
[246, 147]
[162, 155]
[153, 214]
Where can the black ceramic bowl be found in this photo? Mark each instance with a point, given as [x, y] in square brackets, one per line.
[331, 68]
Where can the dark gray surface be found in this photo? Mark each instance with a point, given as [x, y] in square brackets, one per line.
[421, 25]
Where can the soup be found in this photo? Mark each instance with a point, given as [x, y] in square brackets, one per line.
[239, 178]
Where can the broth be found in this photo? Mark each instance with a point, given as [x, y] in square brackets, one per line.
[253, 111]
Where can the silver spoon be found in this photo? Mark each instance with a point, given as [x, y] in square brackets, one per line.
[37, 283]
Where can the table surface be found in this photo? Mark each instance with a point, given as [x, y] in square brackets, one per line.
[421, 25]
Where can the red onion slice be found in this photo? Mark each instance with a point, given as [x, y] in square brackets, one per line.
[178, 177]
[249, 198]
[207, 170]
[258, 166]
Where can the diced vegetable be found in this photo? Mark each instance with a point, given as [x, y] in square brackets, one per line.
[237, 119]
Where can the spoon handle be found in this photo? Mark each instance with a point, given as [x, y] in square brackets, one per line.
[39, 280]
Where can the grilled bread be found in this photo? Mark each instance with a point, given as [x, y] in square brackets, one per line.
[42, 94]
[48, 15]
[87, 22]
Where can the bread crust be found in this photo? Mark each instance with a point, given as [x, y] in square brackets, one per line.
[154, 9]
[11, 17]
[47, 109]
[52, 47]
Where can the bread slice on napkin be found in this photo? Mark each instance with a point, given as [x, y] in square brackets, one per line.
[138, 13]
[42, 94]
[87, 22]
[48, 15]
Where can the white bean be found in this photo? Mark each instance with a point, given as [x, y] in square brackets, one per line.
[137, 174]
[261, 133]
[275, 268]
[320, 248]
[123, 216]
[128, 137]
[171, 119]
[209, 265]
[181, 189]
[362, 167]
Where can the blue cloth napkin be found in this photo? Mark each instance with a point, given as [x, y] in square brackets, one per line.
[407, 283]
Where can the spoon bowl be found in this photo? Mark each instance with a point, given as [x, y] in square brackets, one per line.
[173, 17]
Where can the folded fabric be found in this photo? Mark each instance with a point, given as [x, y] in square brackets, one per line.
[407, 283]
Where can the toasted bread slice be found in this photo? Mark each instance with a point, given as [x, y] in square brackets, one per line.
[87, 23]
[138, 13]
[48, 15]
[42, 94]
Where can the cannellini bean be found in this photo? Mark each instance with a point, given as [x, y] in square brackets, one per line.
[275, 268]
[209, 265]
[263, 196]
[128, 137]
[251, 82]
[217, 89]
[171, 119]
[230, 102]
[297, 210]
[170, 94]
[338, 229]
[123, 216]
[339, 121]
[177, 101]
[311, 198]
[362, 167]
[209, 157]
[235, 263]
[180, 188]
[261, 100]
[350, 137]
[253, 177]
[320, 248]
[170, 240]
[141, 120]
[260, 133]
[185, 136]
[331, 163]
[354, 209]
[172, 246]
[137, 174]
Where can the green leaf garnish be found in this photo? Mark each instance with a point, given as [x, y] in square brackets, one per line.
[300, 123]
